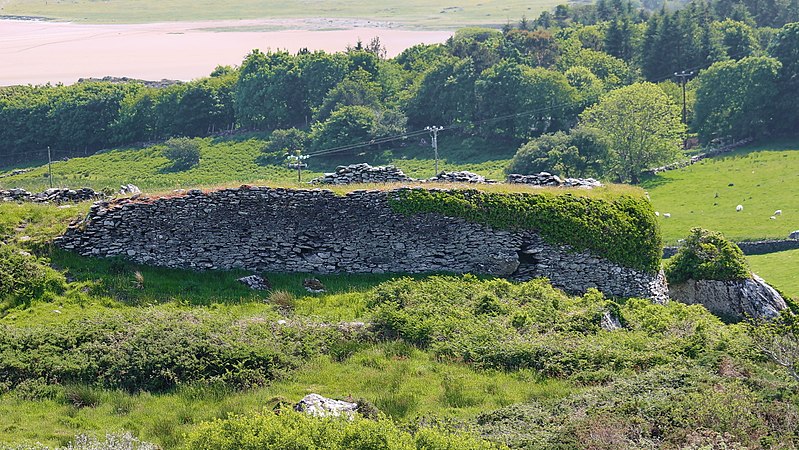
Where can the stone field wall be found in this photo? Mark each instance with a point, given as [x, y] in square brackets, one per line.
[317, 231]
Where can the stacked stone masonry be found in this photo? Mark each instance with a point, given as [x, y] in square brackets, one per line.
[53, 195]
[317, 231]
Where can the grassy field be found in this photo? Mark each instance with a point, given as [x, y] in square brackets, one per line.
[779, 269]
[760, 178]
[232, 162]
[414, 13]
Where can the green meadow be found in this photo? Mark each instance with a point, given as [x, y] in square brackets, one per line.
[760, 178]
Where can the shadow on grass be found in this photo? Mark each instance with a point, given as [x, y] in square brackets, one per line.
[136, 284]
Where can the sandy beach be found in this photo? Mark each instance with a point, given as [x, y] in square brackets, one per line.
[38, 52]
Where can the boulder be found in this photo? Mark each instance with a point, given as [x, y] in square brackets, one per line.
[318, 406]
[129, 189]
[313, 286]
[255, 282]
[735, 299]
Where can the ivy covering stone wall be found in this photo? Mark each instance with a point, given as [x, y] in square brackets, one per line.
[317, 231]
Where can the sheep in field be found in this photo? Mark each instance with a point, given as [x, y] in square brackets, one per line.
[666, 215]
[778, 212]
[739, 208]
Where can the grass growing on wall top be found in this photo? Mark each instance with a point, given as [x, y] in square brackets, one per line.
[622, 229]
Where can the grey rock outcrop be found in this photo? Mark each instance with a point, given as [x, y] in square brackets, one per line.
[734, 300]
[319, 406]
[547, 179]
[316, 231]
[363, 173]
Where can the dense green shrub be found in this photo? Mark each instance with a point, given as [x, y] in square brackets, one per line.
[290, 430]
[623, 230]
[24, 277]
[500, 325]
[666, 407]
[707, 255]
[184, 153]
[158, 350]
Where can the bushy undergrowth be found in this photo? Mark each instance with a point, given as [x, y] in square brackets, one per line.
[670, 406]
[24, 277]
[497, 324]
[707, 255]
[290, 430]
[622, 229]
[157, 350]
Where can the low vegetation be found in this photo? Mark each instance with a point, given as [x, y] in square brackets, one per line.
[623, 228]
[707, 255]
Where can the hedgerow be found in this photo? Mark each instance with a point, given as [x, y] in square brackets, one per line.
[707, 255]
[158, 350]
[290, 430]
[623, 230]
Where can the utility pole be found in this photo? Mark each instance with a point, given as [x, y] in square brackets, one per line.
[434, 135]
[298, 163]
[49, 167]
[683, 79]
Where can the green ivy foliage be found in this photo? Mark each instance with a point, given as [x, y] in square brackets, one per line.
[707, 255]
[291, 430]
[623, 230]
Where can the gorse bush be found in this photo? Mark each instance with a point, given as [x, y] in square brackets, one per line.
[24, 277]
[159, 350]
[707, 255]
[291, 430]
[623, 230]
[500, 325]
[671, 406]
[184, 153]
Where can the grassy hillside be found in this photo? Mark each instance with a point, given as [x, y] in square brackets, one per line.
[761, 178]
[781, 269]
[111, 346]
[414, 13]
[237, 161]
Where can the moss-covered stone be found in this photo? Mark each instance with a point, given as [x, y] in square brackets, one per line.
[622, 229]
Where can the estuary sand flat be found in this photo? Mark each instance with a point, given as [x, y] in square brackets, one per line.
[38, 52]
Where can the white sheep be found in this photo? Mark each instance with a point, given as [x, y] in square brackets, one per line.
[773, 218]
[657, 214]
[778, 212]
[666, 215]
[739, 208]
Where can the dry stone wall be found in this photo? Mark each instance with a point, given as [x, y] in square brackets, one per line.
[317, 231]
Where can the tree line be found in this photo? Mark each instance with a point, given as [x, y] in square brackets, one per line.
[543, 77]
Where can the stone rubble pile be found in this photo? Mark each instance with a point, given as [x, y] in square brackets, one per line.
[15, 173]
[317, 231]
[547, 179]
[460, 177]
[363, 173]
[53, 195]
[255, 282]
